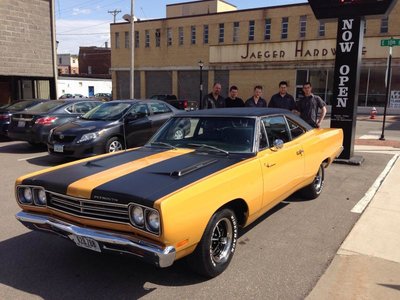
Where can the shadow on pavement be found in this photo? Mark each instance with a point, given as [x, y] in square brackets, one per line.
[22, 147]
[53, 268]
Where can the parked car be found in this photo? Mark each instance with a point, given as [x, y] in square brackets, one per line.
[103, 96]
[110, 127]
[183, 104]
[34, 124]
[184, 195]
[6, 112]
[71, 96]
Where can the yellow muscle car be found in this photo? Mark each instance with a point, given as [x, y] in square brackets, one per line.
[186, 192]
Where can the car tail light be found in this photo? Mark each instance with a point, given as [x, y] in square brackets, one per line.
[185, 103]
[4, 117]
[46, 120]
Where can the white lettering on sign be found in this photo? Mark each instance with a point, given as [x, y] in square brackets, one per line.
[347, 36]
[343, 90]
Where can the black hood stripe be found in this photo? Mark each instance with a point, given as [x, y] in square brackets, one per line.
[149, 184]
[59, 180]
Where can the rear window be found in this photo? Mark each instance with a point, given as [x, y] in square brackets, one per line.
[21, 105]
[46, 106]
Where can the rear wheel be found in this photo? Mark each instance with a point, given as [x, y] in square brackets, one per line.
[313, 190]
[217, 246]
[114, 144]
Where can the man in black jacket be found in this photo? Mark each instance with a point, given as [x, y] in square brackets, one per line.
[283, 99]
[233, 100]
[213, 99]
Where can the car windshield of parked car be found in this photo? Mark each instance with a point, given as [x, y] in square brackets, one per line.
[45, 106]
[108, 111]
[224, 134]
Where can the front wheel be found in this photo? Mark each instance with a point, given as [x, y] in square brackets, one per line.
[114, 144]
[217, 245]
[313, 190]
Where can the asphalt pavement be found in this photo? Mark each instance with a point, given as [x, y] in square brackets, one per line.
[367, 264]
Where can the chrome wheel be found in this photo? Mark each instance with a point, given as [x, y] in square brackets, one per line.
[178, 135]
[319, 180]
[115, 146]
[221, 241]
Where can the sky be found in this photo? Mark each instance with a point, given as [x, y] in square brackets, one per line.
[87, 22]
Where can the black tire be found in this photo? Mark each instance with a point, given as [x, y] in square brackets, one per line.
[313, 190]
[217, 245]
[114, 144]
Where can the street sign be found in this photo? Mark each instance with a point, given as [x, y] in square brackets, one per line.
[390, 42]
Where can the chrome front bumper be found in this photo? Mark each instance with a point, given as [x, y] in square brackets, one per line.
[151, 253]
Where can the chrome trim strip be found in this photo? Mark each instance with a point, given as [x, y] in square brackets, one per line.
[109, 241]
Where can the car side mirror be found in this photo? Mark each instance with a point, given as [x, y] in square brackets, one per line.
[277, 144]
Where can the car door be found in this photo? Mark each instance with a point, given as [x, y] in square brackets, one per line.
[160, 112]
[137, 125]
[283, 168]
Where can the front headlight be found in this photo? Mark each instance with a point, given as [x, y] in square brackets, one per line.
[27, 195]
[88, 137]
[137, 216]
[40, 197]
[153, 221]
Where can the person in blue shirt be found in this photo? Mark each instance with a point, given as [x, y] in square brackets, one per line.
[283, 99]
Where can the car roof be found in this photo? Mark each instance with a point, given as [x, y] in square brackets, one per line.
[243, 112]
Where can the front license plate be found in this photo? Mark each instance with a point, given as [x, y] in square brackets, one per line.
[58, 148]
[21, 123]
[86, 242]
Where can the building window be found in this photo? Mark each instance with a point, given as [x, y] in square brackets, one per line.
[221, 33]
[205, 34]
[136, 39]
[117, 40]
[251, 30]
[127, 39]
[285, 27]
[146, 38]
[321, 29]
[193, 35]
[365, 27]
[180, 29]
[235, 37]
[303, 26]
[169, 36]
[385, 25]
[267, 32]
[59, 60]
[158, 37]
[73, 61]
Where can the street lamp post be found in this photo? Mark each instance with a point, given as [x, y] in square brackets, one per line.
[132, 67]
[201, 64]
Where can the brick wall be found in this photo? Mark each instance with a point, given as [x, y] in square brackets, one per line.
[25, 38]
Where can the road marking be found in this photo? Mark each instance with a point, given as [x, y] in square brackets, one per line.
[363, 203]
[27, 158]
[369, 137]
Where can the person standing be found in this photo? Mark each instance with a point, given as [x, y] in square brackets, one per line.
[256, 100]
[213, 99]
[309, 107]
[233, 100]
[283, 99]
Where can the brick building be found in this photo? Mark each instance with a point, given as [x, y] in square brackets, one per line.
[244, 48]
[27, 49]
[94, 60]
[67, 64]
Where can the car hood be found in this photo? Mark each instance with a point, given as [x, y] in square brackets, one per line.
[141, 175]
[84, 126]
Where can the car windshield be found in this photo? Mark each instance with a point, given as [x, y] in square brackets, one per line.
[46, 106]
[107, 111]
[210, 134]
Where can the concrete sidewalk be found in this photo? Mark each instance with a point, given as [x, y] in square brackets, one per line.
[367, 265]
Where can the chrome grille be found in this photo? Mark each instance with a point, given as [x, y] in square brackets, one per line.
[88, 208]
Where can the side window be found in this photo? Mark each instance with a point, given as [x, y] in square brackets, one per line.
[70, 108]
[276, 128]
[141, 109]
[82, 107]
[295, 129]
[159, 108]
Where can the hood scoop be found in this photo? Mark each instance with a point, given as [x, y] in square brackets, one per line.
[190, 169]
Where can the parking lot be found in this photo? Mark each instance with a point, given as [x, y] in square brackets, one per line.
[281, 256]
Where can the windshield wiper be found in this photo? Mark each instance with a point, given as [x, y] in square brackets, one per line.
[210, 147]
[163, 144]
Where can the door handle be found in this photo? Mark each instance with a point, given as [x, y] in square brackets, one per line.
[268, 165]
[300, 152]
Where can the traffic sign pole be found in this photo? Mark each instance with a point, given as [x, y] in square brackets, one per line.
[389, 81]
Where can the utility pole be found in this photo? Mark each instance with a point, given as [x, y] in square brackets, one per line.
[132, 68]
[114, 12]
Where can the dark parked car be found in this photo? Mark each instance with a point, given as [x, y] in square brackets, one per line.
[103, 96]
[34, 124]
[110, 127]
[7, 111]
